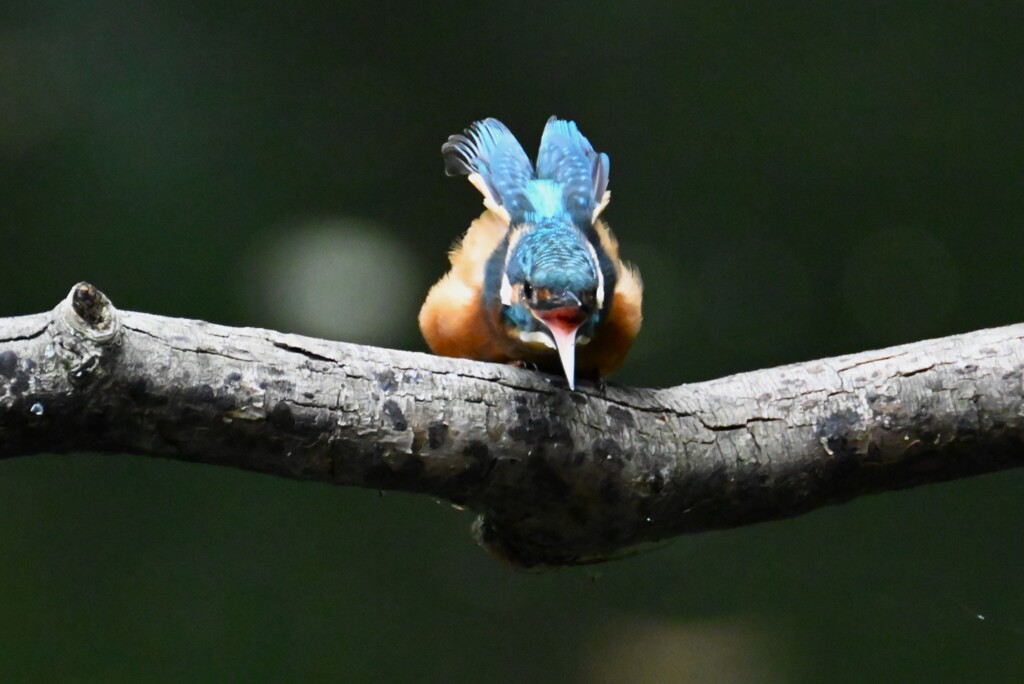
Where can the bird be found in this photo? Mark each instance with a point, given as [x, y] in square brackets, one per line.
[536, 280]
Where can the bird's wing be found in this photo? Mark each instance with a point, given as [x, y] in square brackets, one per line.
[567, 158]
[496, 164]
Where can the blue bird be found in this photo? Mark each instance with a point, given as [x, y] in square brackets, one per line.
[537, 278]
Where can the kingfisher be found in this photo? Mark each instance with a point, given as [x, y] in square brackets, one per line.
[537, 279]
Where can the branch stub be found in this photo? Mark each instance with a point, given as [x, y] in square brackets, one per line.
[90, 313]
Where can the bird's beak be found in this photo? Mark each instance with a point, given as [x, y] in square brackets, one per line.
[563, 325]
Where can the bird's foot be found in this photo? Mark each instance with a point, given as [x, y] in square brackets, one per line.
[594, 378]
[525, 365]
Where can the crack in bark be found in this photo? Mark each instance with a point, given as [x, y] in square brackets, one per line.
[867, 362]
[910, 373]
[304, 352]
[23, 337]
[737, 426]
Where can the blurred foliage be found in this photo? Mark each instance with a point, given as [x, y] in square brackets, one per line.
[794, 179]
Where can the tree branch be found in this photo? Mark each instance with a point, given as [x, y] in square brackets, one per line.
[558, 477]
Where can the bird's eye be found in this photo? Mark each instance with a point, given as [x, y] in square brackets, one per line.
[527, 290]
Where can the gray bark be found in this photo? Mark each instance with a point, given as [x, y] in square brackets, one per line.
[558, 477]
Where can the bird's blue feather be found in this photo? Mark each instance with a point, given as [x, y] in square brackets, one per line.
[489, 149]
[554, 255]
[546, 200]
[567, 158]
[570, 180]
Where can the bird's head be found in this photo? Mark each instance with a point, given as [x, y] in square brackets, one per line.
[552, 289]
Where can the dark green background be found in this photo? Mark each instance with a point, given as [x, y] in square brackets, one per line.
[794, 179]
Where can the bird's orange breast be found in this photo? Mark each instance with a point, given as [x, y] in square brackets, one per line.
[453, 319]
[615, 335]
